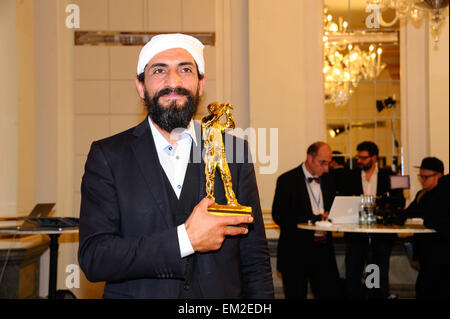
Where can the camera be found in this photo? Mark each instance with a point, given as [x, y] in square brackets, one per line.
[389, 209]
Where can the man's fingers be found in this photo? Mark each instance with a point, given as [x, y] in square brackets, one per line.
[205, 203]
[234, 231]
[235, 220]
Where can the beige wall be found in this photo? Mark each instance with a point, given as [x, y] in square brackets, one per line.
[8, 109]
[17, 129]
[286, 89]
[26, 106]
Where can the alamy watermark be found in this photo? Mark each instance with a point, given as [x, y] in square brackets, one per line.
[373, 276]
[262, 147]
[73, 278]
[73, 19]
[375, 18]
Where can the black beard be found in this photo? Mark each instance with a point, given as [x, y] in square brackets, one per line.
[365, 168]
[173, 116]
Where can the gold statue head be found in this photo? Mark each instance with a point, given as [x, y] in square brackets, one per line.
[218, 108]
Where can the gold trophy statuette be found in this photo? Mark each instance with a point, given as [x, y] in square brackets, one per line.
[212, 131]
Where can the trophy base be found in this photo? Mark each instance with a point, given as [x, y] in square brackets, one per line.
[230, 210]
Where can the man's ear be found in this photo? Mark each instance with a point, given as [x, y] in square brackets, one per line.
[140, 87]
[201, 85]
[374, 159]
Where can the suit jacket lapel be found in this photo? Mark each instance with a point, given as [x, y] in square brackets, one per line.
[304, 190]
[197, 157]
[327, 194]
[382, 181]
[145, 152]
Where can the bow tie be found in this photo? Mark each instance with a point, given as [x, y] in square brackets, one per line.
[311, 179]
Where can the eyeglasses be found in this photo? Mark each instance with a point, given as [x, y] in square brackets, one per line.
[426, 176]
[362, 157]
[322, 162]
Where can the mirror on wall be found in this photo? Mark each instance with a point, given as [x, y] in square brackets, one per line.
[361, 82]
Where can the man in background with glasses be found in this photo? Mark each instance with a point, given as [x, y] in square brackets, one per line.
[368, 179]
[432, 204]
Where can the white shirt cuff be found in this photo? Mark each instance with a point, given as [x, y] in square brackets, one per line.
[184, 242]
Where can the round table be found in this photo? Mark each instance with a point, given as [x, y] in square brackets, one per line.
[370, 230]
[408, 228]
[54, 234]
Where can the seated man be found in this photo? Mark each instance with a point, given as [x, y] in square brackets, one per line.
[432, 204]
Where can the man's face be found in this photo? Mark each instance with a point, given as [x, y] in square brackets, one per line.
[172, 88]
[428, 179]
[365, 161]
[318, 165]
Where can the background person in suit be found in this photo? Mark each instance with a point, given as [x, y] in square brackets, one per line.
[144, 225]
[368, 179]
[302, 194]
[431, 250]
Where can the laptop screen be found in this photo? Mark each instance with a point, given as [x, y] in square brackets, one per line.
[400, 182]
[42, 210]
[345, 210]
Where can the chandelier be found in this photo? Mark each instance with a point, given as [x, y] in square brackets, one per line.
[415, 10]
[346, 64]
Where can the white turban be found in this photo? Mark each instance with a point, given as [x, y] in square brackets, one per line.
[164, 42]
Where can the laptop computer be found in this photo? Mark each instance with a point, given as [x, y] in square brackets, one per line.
[345, 210]
[38, 219]
[41, 210]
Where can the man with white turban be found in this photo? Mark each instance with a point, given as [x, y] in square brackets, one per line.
[144, 224]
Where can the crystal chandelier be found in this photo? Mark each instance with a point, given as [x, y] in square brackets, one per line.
[415, 10]
[345, 64]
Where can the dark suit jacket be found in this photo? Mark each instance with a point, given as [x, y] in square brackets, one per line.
[353, 185]
[432, 249]
[291, 205]
[129, 240]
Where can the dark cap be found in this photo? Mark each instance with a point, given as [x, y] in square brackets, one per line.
[432, 164]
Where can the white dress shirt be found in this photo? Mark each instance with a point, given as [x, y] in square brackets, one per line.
[315, 193]
[370, 186]
[174, 159]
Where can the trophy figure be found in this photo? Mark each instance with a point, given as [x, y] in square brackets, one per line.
[212, 131]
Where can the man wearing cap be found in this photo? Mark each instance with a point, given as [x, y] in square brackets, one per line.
[144, 224]
[432, 204]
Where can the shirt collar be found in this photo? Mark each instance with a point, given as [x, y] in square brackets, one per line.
[162, 144]
[306, 172]
[375, 172]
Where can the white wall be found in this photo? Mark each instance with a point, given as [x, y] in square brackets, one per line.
[438, 87]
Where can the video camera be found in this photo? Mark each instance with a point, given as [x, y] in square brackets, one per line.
[390, 206]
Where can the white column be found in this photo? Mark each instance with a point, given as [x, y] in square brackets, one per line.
[438, 57]
[414, 96]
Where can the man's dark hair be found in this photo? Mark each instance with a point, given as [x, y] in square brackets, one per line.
[313, 149]
[338, 157]
[368, 146]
